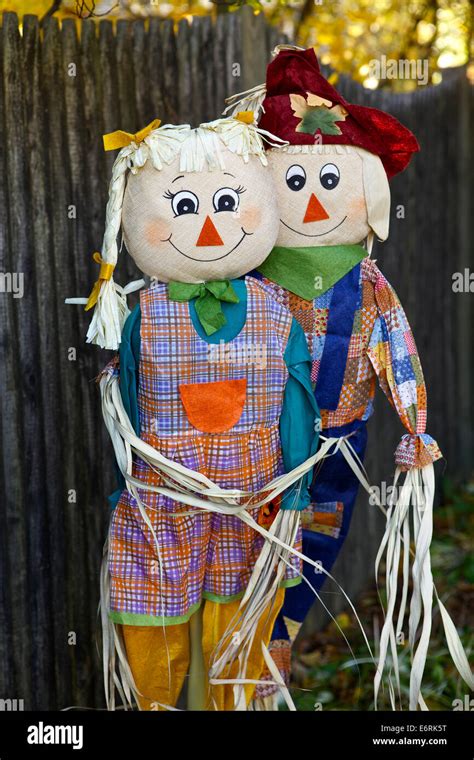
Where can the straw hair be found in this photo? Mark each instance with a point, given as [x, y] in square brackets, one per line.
[252, 99]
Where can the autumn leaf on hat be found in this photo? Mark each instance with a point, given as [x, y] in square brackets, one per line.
[317, 113]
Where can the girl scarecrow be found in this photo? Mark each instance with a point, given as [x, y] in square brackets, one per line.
[209, 403]
[333, 193]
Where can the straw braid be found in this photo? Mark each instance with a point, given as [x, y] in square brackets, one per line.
[111, 309]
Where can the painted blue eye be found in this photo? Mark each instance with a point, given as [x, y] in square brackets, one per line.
[225, 199]
[296, 177]
[184, 202]
[329, 176]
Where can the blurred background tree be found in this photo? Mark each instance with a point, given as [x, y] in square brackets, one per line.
[348, 34]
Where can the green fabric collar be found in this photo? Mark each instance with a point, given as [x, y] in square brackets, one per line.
[310, 272]
[208, 297]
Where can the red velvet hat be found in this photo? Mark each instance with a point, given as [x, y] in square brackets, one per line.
[303, 108]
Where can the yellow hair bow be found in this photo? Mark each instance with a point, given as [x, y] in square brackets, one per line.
[246, 116]
[120, 139]
[105, 273]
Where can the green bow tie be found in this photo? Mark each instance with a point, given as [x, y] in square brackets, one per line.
[208, 295]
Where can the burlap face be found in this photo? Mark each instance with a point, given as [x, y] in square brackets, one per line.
[200, 226]
[323, 199]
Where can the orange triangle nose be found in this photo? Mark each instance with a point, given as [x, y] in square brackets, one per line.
[209, 234]
[315, 211]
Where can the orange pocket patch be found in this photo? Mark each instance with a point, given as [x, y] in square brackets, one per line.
[214, 407]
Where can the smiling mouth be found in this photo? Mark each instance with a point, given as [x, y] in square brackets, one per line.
[321, 234]
[193, 258]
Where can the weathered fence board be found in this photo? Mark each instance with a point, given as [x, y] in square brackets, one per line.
[59, 92]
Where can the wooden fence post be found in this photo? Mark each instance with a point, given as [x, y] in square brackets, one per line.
[254, 48]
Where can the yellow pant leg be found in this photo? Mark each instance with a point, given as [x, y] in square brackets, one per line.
[158, 657]
[216, 618]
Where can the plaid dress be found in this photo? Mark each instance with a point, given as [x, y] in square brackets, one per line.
[203, 555]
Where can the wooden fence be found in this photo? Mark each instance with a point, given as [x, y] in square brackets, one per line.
[58, 95]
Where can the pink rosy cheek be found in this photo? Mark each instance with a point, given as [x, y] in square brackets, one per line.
[251, 218]
[357, 207]
[157, 231]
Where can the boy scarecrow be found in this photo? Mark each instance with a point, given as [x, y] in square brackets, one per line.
[332, 184]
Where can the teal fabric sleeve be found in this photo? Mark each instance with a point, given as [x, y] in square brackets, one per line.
[129, 354]
[129, 362]
[299, 421]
